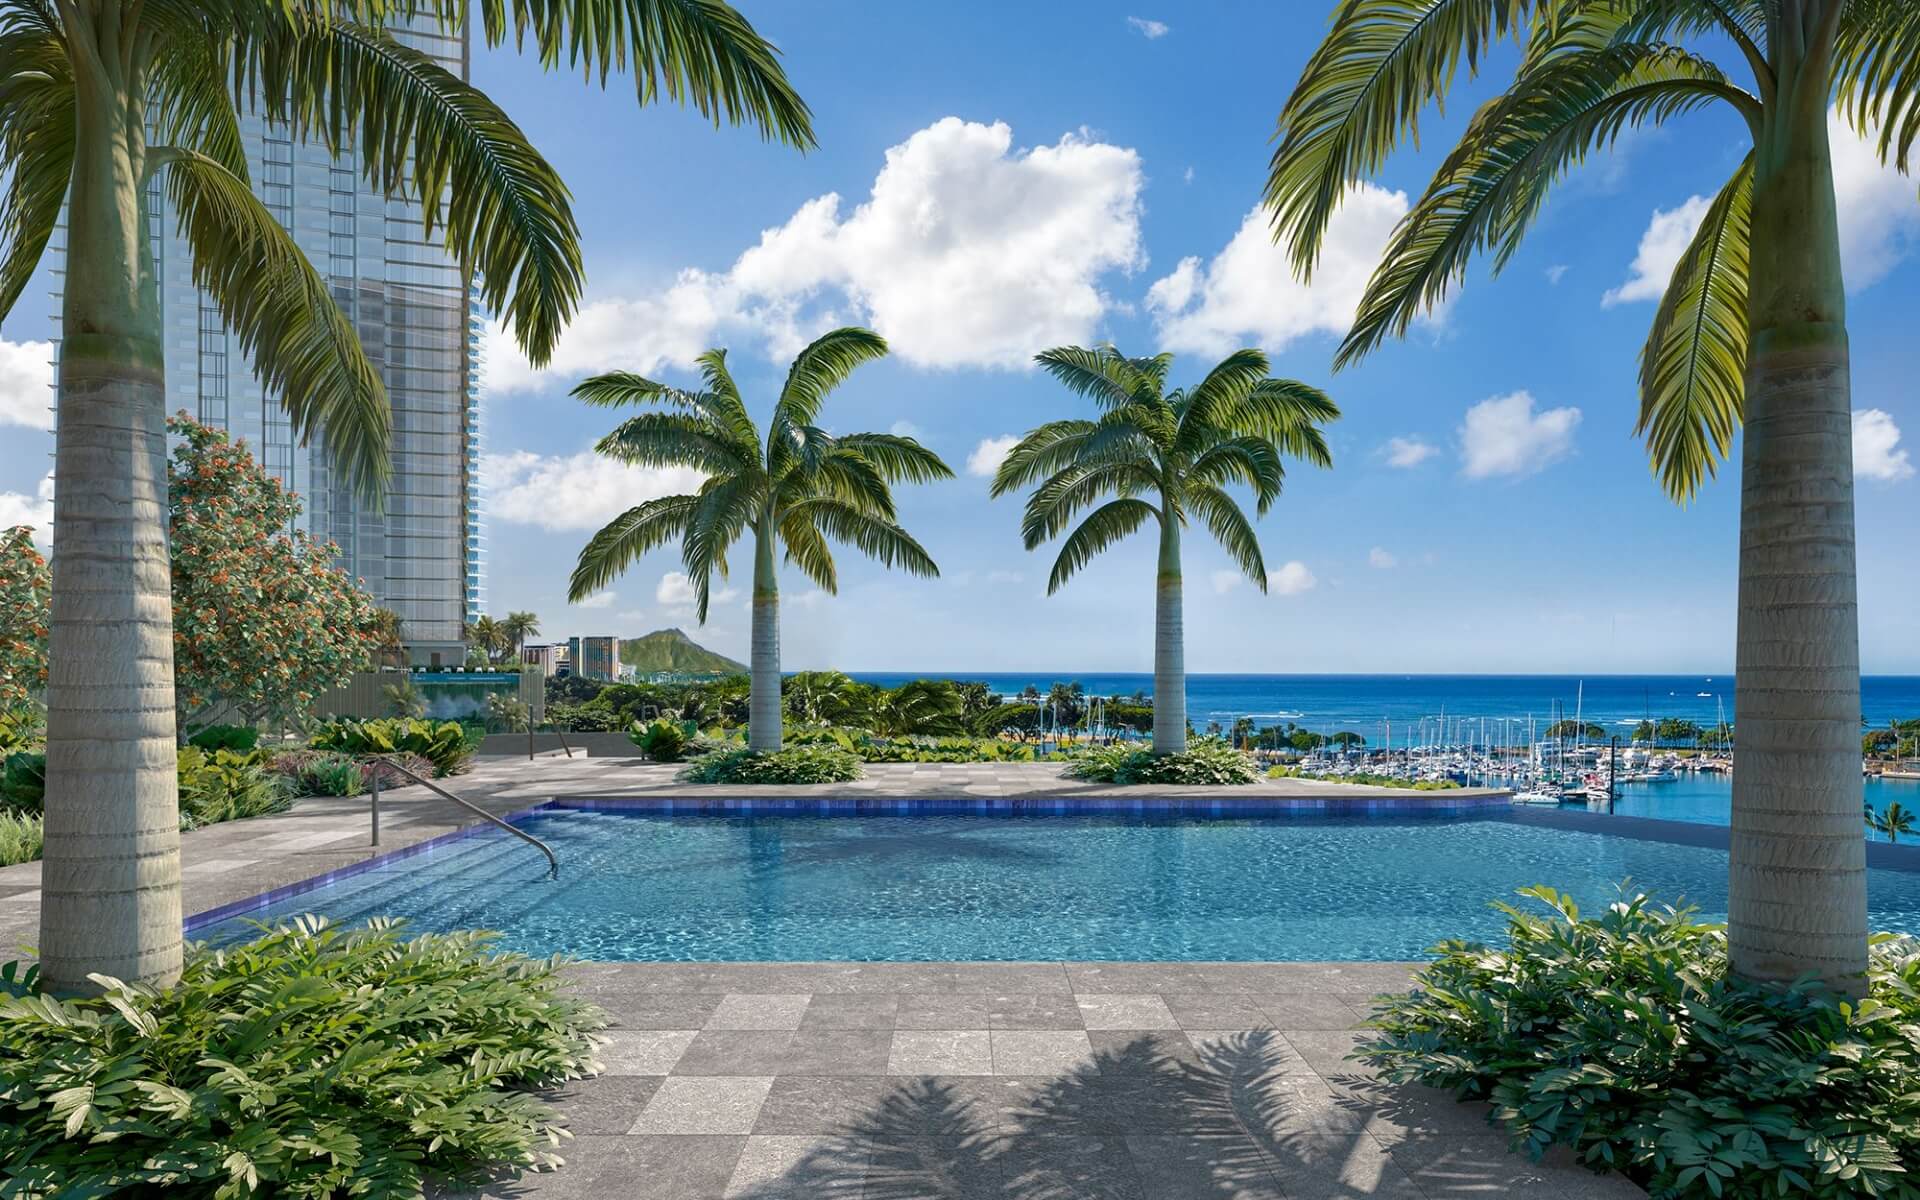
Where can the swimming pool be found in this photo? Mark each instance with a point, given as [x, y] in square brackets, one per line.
[648, 886]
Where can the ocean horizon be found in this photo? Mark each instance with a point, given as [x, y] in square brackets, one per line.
[1369, 703]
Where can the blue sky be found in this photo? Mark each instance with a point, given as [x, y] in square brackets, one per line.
[993, 179]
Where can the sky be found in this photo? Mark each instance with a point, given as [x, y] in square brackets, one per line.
[994, 179]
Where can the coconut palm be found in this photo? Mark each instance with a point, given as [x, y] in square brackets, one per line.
[1164, 457]
[796, 489]
[519, 626]
[489, 637]
[1752, 330]
[100, 98]
[1896, 820]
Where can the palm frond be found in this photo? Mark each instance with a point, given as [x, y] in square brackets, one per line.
[1055, 503]
[1102, 374]
[1877, 67]
[1230, 528]
[36, 140]
[1043, 451]
[302, 346]
[807, 549]
[1249, 460]
[1103, 527]
[421, 131]
[727, 506]
[898, 459]
[731, 409]
[190, 104]
[846, 476]
[1287, 413]
[643, 527]
[1692, 371]
[822, 366]
[1363, 91]
[1488, 192]
[880, 540]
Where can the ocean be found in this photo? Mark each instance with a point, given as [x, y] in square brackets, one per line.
[1366, 704]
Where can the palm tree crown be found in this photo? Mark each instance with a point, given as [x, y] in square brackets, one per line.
[1162, 456]
[1165, 457]
[798, 488]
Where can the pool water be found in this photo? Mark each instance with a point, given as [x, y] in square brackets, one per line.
[653, 887]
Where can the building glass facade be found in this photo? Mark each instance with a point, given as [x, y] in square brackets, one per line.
[422, 554]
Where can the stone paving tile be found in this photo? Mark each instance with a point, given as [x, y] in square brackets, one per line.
[1305, 1010]
[644, 1051]
[1325, 1050]
[1011, 977]
[607, 1104]
[944, 1012]
[1186, 1168]
[759, 1012]
[797, 1168]
[1483, 1166]
[1126, 1012]
[1035, 1012]
[657, 1010]
[599, 1168]
[688, 1104]
[941, 1052]
[851, 1011]
[1041, 1052]
[1210, 1011]
[1040, 1167]
[1341, 1166]
[1135, 978]
[839, 1052]
[735, 1052]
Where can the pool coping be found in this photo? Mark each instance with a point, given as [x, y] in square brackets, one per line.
[1880, 855]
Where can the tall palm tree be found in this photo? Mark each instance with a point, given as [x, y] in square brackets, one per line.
[489, 637]
[1752, 330]
[1164, 457]
[797, 488]
[519, 626]
[98, 98]
[1897, 820]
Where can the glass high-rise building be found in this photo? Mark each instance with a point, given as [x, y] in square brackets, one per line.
[422, 554]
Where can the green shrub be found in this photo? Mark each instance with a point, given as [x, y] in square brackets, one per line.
[22, 727]
[576, 718]
[1625, 1037]
[1366, 777]
[445, 744]
[872, 747]
[23, 781]
[224, 786]
[389, 777]
[320, 772]
[1208, 762]
[309, 1063]
[226, 737]
[21, 836]
[800, 764]
[663, 741]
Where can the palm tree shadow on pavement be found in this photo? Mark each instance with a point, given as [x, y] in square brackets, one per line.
[1242, 1117]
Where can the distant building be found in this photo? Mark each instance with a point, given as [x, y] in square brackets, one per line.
[599, 658]
[548, 658]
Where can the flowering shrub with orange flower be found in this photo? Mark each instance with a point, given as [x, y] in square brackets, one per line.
[262, 619]
[26, 596]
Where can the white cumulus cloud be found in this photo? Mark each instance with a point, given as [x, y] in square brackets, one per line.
[575, 491]
[1381, 558]
[1661, 246]
[597, 600]
[1225, 581]
[36, 510]
[1505, 436]
[1291, 579]
[1249, 291]
[675, 592]
[967, 251]
[26, 384]
[1149, 29]
[1879, 221]
[1407, 452]
[1876, 442]
[987, 456]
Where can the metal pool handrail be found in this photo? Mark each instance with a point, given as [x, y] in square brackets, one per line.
[374, 796]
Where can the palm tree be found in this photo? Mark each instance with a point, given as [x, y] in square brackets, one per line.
[98, 98]
[1178, 450]
[797, 488]
[392, 649]
[1752, 330]
[519, 626]
[1898, 819]
[489, 637]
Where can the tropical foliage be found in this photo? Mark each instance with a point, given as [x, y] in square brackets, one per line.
[443, 743]
[795, 490]
[228, 785]
[26, 591]
[1366, 778]
[1208, 762]
[872, 747]
[1896, 821]
[1626, 1037]
[663, 741]
[225, 737]
[800, 764]
[266, 1071]
[1166, 458]
[263, 621]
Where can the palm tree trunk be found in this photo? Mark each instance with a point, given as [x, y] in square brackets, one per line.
[1797, 897]
[763, 702]
[1169, 645]
[110, 890]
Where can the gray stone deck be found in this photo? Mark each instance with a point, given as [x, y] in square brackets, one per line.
[900, 1081]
